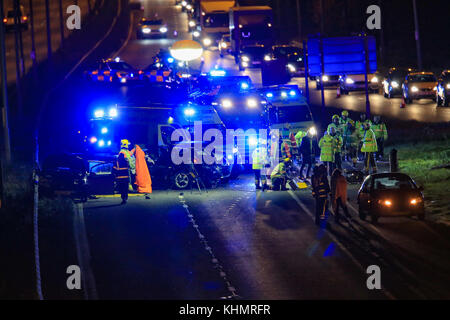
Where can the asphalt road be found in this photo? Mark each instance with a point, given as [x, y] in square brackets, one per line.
[236, 242]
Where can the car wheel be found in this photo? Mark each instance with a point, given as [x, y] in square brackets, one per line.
[181, 180]
[362, 214]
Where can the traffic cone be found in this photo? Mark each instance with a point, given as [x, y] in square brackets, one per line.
[403, 104]
[338, 92]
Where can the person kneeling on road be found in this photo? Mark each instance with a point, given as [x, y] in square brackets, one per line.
[278, 176]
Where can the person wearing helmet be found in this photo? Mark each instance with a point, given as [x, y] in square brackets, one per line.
[326, 145]
[360, 128]
[369, 148]
[336, 124]
[351, 142]
[337, 148]
[260, 160]
[379, 128]
[278, 175]
[308, 149]
[320, 192]
[124, 165]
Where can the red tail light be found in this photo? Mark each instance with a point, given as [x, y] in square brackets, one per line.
[5, 20]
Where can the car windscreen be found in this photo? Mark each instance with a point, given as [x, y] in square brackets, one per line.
[398, 74]
[393, 183]
[289, 114]
[285, 51]
[422, 78]
[120, 66]
[152, 22]
[216, 20]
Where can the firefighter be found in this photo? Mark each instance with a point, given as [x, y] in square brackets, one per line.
[307, 150]
[326, 145]
[351, 142]
[122, 169]
[336, 124]
[337, 148]
[278, 175]
[260, 160]
[320, 191]
[379, 128]
[369, 148]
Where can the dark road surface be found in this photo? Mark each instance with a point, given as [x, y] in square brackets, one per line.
[235, 242]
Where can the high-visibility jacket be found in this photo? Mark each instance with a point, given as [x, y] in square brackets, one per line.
[121, 169]
[337, 144]
[369, 142]
[380, 131]
[259, 158]
[129, 157]
[360, 126]
[286, 149]
[294, 145]
[299, 137]
[352, 139]
[326, 145]
[279, 171]
[320, 187]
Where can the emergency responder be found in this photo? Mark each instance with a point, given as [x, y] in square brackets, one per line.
[326, 145]
[369, 148]
[278, 175]
[351, 142]
[307, 150]
[320, 191]
[285, 148]
[337, 148]
[379, 128]
[294, 146]
[360, 127]
[343, 122]
[123, 168]
[260, 160]
[274, 149]
[335, 124]
[299, 136]
[344, 118]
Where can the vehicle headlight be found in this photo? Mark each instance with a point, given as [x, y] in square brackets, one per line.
[267, 58]
[146, 30]
[93, 140]
[386, 203]
[269, 95]
[223, 45]
[292, 93]
[207, 41]
[448, 85]
[244, 85]
[374, 80]
[349, 81]
[196, 34]
[163, 29]
[394, 84]
[284, 94]
[189, 7]
[226, 103]
[291, 68]
[184, 3]
[189, 112]
[415, 201]
[414, 89]
[245, 58]
[325, 78]
[101, 143]
[312, 131]
[170, 60]
[252, 103]
[100, 113]
[192, 23]
[245, 64]
[112, 112]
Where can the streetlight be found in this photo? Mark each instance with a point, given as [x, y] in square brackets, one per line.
[185, 51]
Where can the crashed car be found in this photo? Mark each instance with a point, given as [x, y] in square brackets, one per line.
[113, 71]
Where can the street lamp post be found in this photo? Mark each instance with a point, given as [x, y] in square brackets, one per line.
[417, 37]
[186, 50]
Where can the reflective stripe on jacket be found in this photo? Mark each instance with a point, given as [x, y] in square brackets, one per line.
[259, 158]
[279, 171]
[380, 131]
[369, 142]
[326, 148]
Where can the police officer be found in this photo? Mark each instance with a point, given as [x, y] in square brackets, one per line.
[369, 147]
[379, 128]
[122, 169]
[326, 145]
[260, 160]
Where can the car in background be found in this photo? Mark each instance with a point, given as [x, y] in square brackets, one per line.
[327, 81]
[149, 28]
[253, 56]
[389, 195]
[443, 89]
[293, 56]
[113, 71]
[392, 83]
[419, 85]
[224, 45]
[8, 20]
[356, 82]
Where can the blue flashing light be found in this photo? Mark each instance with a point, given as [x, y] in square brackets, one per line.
[284, 94]
[101, 143]
[109, 142]
[170, 60]
[104, 130]
[244, 85]
[189, 112]
[269, 95]
[113, 112]
[217, 73]
[292, 93]
[100, 113]
[93, 140]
